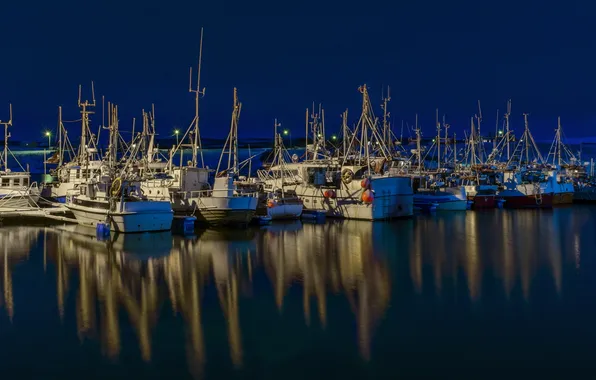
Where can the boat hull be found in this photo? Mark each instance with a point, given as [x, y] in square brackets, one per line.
[562, 198]
[483, 201]
[18, 199]
[441, 205]
[393, 198]
[285, 211]
[149, 220]
[234, 210]
[529, 201]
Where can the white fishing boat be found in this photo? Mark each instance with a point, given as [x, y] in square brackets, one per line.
[118, 199]
[16, 189]
[353, 186]
[76, 169]
[561, 158]
[281, 203]
[188, 185]
[121, 205]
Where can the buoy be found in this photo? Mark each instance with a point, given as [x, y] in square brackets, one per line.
[102, 230]
[329, 194]
[367, 196]
[188, 225]
[365, 183]
[270, 204]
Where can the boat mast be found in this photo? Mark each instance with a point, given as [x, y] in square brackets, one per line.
[386, 129]
[418, 147]
[231, 146]
[507, 128]
[196, 144]
[559, 140]
[345, 132]
[480, 140]
[438, 139]
[84, 106]
[6, 136]
[472, 143]
[60, 145]
[496, 131]
[526, 138]
[279, 152]
[446, 126]
[306, 137]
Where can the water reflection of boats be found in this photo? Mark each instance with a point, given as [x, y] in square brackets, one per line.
[21, 241]
[315, 258]
[143, 245]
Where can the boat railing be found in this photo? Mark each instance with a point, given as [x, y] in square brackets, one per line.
[214, 194]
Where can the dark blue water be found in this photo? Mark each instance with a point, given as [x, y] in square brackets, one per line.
[464, 295]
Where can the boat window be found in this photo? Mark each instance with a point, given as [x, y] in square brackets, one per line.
[5, 182]
[25, 181]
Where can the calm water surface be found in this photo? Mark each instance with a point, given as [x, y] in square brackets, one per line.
[462, 295]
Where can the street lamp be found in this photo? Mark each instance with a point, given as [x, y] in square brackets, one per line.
[45, 156]
[177, 133]
[286, 133]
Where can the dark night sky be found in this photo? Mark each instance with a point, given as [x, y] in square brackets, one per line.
[282, 56]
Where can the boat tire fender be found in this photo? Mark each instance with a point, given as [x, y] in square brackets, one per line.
[347, 175]
[116, 186]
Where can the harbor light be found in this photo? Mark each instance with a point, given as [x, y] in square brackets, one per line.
[500, 132]
[286, 132]
[333, 137]
[49, 136]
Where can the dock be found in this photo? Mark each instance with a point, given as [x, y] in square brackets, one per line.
[59, 213]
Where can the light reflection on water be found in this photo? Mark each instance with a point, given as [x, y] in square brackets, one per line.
[254, 298]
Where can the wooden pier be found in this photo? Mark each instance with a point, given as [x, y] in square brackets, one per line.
[59, 213]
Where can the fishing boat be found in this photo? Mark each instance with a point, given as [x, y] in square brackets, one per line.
[73, 170]
[526, 182]
[435, 195]
[115, 196]
[121, 205]
[354, 183]
[226, 204]
[281, 203]
[188, 186]
[16, 189]
[560, 158]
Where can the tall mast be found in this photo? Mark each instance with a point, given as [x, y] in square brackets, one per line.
[60, 144]
[418, 147]
[6, 136]
[446, 126]
[496, 131]
[480, 139]
[559, 139]
[231, 146]
[507, 127]
[438, 139]
[84, 106]
[196, 144]
[526, 138]
[472, 142]
[386, 129]
[279, 151]
[306, 137]
[345, 132]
